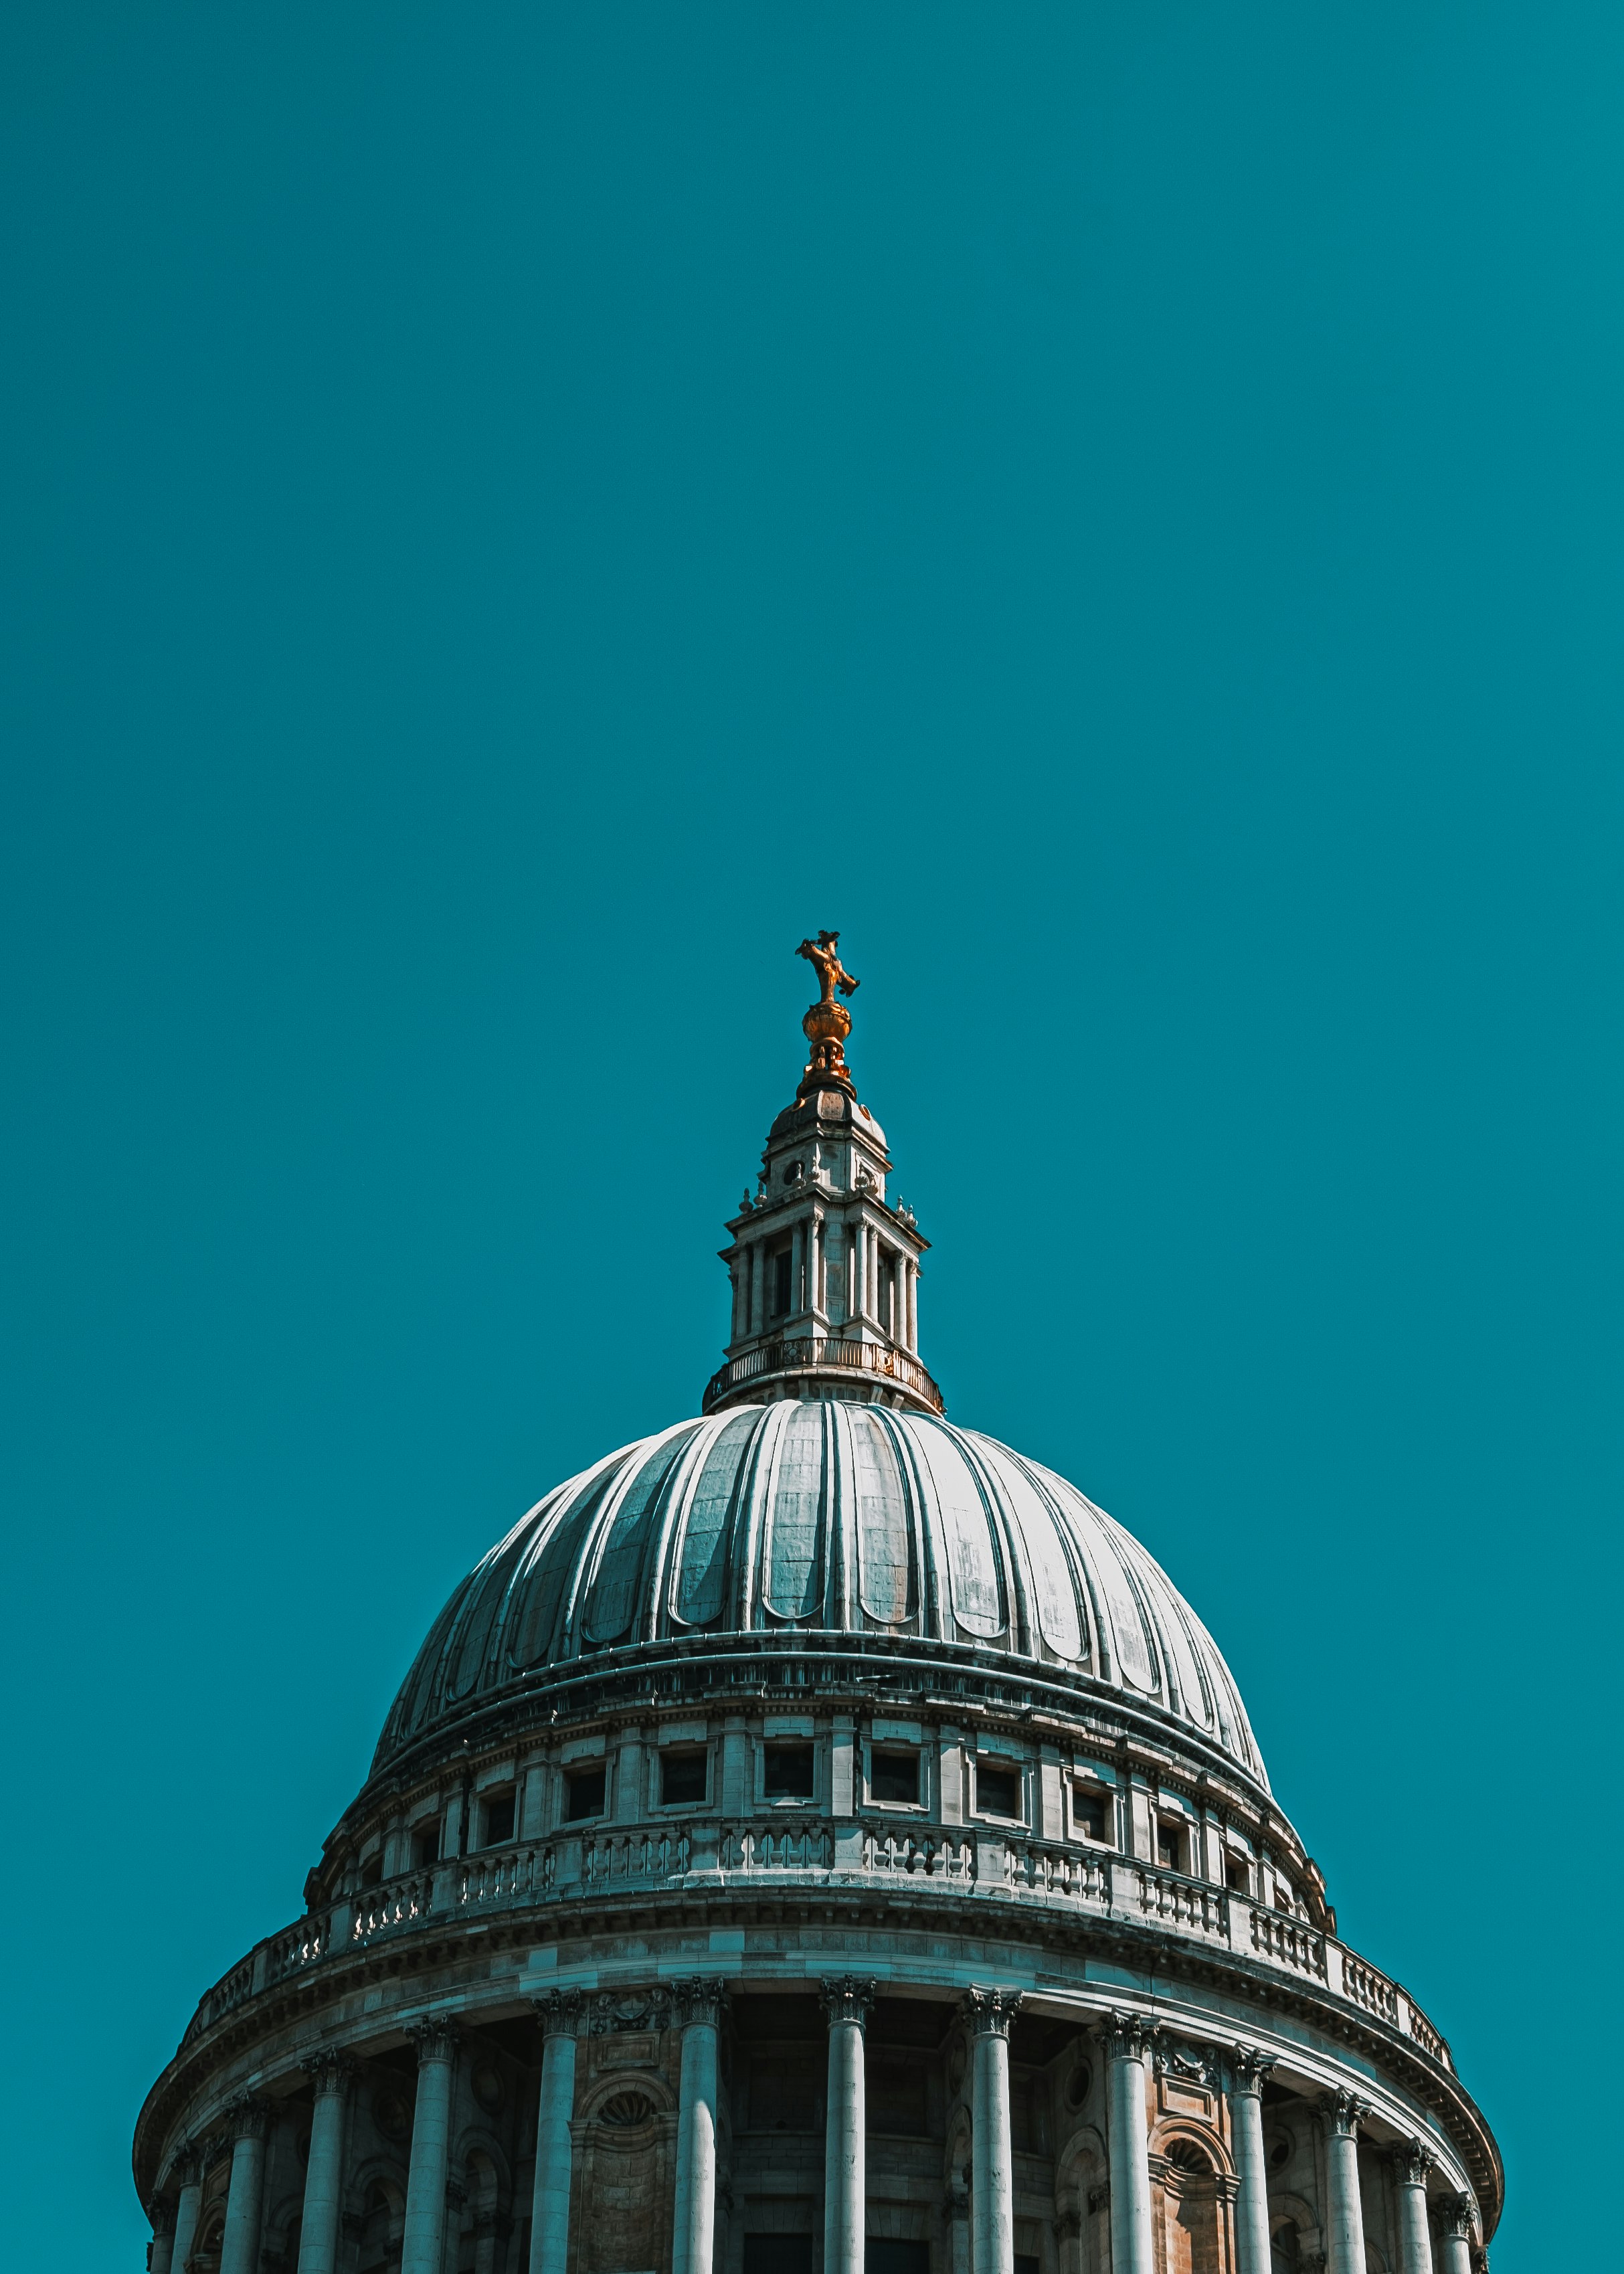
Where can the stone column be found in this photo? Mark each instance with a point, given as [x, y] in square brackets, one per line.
[1412, 2163]
[1127, 2040]
[992, 2157]
[161, 2211]
[1344, 2225]
[699, 2009]
[239, 2247]
[1458, 2236]
[757, 1293]
[423, 2244]
[188, 2171]
[815, 1260]
[331, 2074]
[846, 2000]
[558, 2014]
[1247, 2070]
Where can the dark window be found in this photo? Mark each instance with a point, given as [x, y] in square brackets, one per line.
[1235, 1875]
[895, 1777]
[784, 2092]
[789, 1772]
[882, 2254]
[583, 1795]
[426, 1846]
[782, 1264]
[781, 2254]
[997, 1791]
[372, 1870]
[683, 1778]
[1088, 1809]
[1169, 1846]
[1026, 2266]
[895, 2093]
[498, 1820]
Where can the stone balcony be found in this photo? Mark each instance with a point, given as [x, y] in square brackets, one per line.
[1012, 1875]
[789, 1359]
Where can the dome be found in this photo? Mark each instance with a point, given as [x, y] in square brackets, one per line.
[809, 1519]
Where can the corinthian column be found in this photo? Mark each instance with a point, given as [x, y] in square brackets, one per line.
[1458, 2236]
[1345, 2213]
[423, 2244]
[161, 2210]
[239, 2247]
[992, 2157]
[188, 2171]
[1127, 2040]
[846, 2000]
[332, 2074]
[1247, 2070]
[559, 2015]
[699, 2005]
[1412, 2163]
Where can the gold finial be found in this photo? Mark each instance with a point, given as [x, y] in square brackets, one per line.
[828, 1023]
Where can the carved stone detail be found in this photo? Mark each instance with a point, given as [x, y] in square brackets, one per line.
[612, 2014]
[330, 2072]
[700, 1999]
[559, 2013]
[990, 2012]
[435, 2040]
[1248, 2068]
[1343, 2112]
[1099, 2200]
[1412, 2163]
[1128, 2036]
[1175, 2057]
[847, 1998]
[1459, 2215]
[249, 2116]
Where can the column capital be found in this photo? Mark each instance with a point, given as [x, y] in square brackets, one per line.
[700, 2001]
[436, 2040]
[187, 2170]
[248, 2115]
[1069, 2226]
[1458, 2213]
[1248, 2068]
[330, 2072]
[161, 2210]
[1343, 2114]
[559, 2013]
[1128, 2035]
[1412, 2163]
[990, 2012]
[847, 1998]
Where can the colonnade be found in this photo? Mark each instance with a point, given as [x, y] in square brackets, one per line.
[985, 2222]
[881, 1283]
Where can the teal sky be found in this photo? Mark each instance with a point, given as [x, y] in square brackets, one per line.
[510, 517]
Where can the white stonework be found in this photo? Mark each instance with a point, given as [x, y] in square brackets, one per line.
[817, 1836]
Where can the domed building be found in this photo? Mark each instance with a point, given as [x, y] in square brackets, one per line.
[816, 1837]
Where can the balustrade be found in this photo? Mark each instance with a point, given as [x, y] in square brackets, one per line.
[663, 1853]
[1288, 1942]
[1369, 1989]
[1049, 1868]
[777, 1848]
[1167, 1895]
[934, 1856]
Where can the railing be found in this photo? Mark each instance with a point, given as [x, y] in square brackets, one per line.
[811, 1353]
[1288, 1942]
[777, 1848]
[532, 1874]
[933, 1856]
[1049, 1868]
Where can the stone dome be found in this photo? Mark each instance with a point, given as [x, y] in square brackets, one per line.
[823, 1522]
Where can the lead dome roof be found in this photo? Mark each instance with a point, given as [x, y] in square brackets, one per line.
[823, 1518]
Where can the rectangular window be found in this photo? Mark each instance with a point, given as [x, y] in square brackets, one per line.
[997, 1791]
[883, 2253]
[788, 1772]
[1088, 1817]
[497, 1811]
[372, 1870]
[583, 1794]
[784, 2093]
[780, 2254]
[894, 2093]
[425, 1845]
[1236, 1876]
[894, 1777]
[685, 1779]
[780, 1269]
[1169, 1845]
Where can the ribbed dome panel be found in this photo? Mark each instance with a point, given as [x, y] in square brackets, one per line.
[833, 1520]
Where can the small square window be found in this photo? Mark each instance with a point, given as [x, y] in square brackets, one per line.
[425, 1845]
[788, 1772]
[685, 1779]
[1088, 1816]
[583, 1794]
[997, 1791]
[498, 1814]
[894, 1777]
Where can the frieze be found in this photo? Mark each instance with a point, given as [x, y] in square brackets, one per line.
[1176, 2058]
[612, 2013]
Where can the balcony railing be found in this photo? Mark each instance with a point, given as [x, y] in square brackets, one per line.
[970, 1863]
[824, 1354]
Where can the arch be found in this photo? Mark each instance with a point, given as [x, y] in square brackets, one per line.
[646, 2081]
[1169, 2131]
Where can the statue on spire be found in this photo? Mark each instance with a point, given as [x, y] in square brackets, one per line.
[828, 1023]
[824, 954]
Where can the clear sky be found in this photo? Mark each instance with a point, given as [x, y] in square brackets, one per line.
[509, 517]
